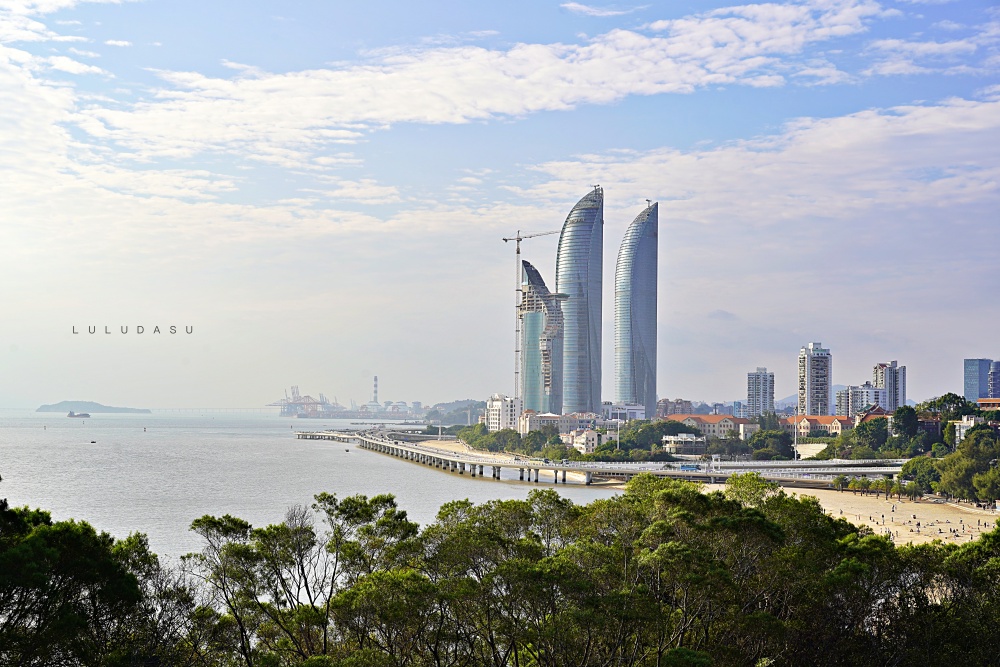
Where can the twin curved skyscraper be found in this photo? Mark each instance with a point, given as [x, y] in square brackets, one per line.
[570, 319]
[635, 312]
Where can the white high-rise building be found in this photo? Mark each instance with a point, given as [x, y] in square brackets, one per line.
[760, 392]
[502, 412]
[853, 399]
[815, 373]
[892, 378]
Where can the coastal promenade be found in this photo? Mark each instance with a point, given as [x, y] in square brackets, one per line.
[476, 464]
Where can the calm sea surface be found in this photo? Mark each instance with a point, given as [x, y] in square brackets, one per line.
[109, 471]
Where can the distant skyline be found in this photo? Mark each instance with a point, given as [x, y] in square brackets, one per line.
[320, 190]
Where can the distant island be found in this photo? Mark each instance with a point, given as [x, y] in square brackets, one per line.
[88, 406]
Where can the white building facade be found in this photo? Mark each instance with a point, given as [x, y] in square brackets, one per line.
[622, 412]
[854, 399]
[585, 441]
[684, 443]
[892, 378]
[760, 392]
[502, 412]
[815, 373]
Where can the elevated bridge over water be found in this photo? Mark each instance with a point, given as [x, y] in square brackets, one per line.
[787, 473]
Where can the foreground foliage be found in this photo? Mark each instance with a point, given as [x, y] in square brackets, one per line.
[661, 575]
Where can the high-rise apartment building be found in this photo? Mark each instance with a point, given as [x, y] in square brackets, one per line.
[994, 380]
[854, 399]
[635, 312]
[977, 374]
[892, 378]
[760, 392]
[502, 412]
[541, 343]
[579, 265]
[815, 373]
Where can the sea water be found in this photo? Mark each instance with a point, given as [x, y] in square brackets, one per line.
[155, 473]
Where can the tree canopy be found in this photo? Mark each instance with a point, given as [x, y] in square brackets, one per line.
[664, 574]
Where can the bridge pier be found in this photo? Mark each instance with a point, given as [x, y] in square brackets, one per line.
[564, 476]
[473, 469]
[480, 471]
[536, 474]
[522, 474]
[588, 478]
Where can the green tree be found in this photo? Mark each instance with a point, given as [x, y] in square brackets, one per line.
[506, 440]
[923, 470]
[533, 441]
[950, 406]
[872, 434]
[778, 442]
[768, 421]
[905, 422]
[67, 595]
[750, 489]
[648, 435]
[987, 484]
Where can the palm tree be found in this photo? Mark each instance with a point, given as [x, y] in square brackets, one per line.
[913, 491]
[898, 487]
[864, 484]
[839, 482]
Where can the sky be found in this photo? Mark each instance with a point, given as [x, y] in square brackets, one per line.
[319, 190]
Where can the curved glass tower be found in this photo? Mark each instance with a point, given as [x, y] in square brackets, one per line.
[635, 313]
[579, 263]
[541, 343]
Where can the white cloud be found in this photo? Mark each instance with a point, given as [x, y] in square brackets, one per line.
[588, 10]
[903, 56]
[17, 24]
[84, 54]
[364, 191]
[823, 73]
[117, 42]
[925, 49]
[281, 118]
[915, 158]
[64, 64]
[948, 25]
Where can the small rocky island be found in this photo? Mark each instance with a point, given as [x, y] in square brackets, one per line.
[89, 406]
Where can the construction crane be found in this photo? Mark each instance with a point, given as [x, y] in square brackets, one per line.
[517, 302]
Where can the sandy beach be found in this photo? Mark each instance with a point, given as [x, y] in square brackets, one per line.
[909, 522]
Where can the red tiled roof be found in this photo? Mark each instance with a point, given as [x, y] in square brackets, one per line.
[817, 419]
[708, 419]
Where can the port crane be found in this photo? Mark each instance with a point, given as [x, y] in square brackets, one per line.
[518, 297]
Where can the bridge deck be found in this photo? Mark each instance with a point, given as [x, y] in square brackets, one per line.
[791, 473]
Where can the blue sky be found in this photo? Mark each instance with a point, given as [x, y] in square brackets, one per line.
[320, 189]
